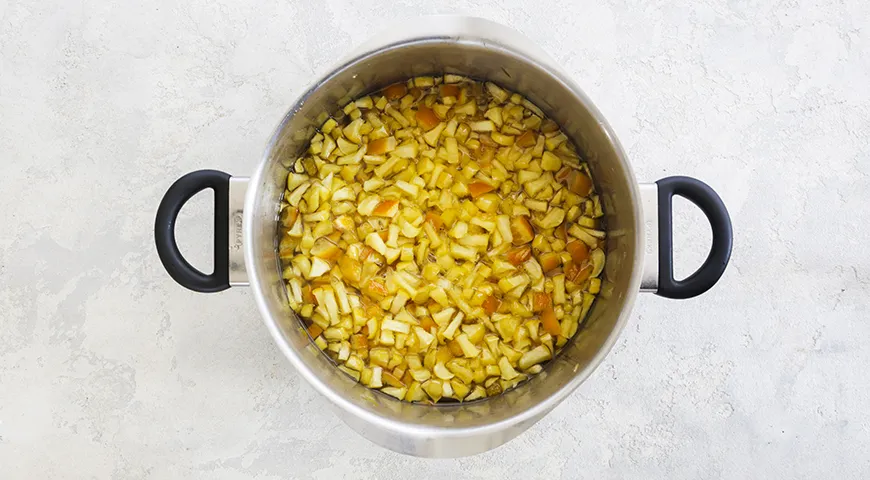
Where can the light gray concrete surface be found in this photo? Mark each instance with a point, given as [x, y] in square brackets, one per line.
[110, 370]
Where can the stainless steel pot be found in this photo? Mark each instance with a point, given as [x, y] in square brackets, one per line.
[638, 219]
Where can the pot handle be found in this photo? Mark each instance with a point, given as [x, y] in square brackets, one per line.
[713, 267]
[164, 230]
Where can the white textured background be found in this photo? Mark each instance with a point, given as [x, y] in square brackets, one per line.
[110, 370]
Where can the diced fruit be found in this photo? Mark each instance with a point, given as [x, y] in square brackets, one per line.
[428, 324]
[521, 230]
[549, 126]
[387, 208]
[359, 342]
[477, 189]
[315, 330]
[550, 162]
[482, 126]
[509, 284]
[375, 289]
[561, 232]
[381, 146]
[506, 370]
[577, 274]
[554, 217]
[535, 356]
[325, 249]
[350, 269]
[365, 253]
[579, 183]
[392, 380]
[318, 267]
[491, 304]
[289, 216]
[449, 91]
[597, 262]
[550, 261]
[550, 322]
[501, 139]
[498, 93]
[395, 91]
[426, 117]
[376, 242]
[344, 223]
[541, 301]
[435, 220]
[578, 250]
[527, 139]
[519, 255]
[307, 296]
[440, 239]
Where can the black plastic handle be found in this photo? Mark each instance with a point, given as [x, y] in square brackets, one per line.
[711, 271]
[164, 231]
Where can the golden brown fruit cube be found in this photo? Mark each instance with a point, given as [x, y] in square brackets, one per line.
[491, 304]
[579, 183]
[477, 189]
[541, 301]
[578, 250]
[395, 91]
[350, 269]
[550, 261]
[550, 322]
[519, 255]
[426, 117]
[527, 139]
[325, 249]
[449, 91]
[522, 230]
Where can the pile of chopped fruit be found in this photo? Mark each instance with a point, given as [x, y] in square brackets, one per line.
[441, 239]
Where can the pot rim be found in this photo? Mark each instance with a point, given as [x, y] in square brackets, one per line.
[417, 430]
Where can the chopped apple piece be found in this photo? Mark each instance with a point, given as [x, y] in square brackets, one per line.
[540, 301]
[519, 255]
[491, 304]
[318, 267]
[521, 230]
[325, 249]
[381, 146]
[597, 256]
[351, 269]
[579, 183]
[550, 322]
[526, 140]
[577, 273]
[395, 91]
[387, 208]
[449, 91]
[578, 250]
[550, 261]
[482, 126]
[477, 189]
[550, 162]
[426, 117]
[535, 356]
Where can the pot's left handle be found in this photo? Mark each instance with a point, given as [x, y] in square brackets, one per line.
[229, 197]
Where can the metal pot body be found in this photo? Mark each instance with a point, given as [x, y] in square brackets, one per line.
[482, 50]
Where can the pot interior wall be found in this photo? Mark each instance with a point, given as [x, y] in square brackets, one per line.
[559, 100]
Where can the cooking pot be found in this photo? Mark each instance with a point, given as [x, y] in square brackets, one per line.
[637, 219]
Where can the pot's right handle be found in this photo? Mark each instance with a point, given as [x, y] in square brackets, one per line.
[660, 204]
